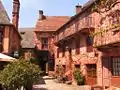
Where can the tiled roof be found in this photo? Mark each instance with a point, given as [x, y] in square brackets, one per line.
[27, 35]
[4, 19]
[51, 23]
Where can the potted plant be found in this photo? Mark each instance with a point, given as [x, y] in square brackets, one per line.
[79, 77]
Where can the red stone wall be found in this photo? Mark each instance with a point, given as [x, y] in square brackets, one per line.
[38, 39]
[108, 78]
[14, 40]
[106, 35]
[11, 40]
[107, 31]
[83, 23]
[6, 39]
[28, 54]
[81, 59]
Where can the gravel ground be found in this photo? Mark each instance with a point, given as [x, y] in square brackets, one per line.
[49, 84]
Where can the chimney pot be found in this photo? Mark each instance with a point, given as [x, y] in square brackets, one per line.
[41, 16]
[78, 8]
[41, 12]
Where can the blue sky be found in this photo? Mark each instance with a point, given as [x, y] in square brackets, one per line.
[29, 9]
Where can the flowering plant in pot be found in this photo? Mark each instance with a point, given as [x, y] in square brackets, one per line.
[80, 79]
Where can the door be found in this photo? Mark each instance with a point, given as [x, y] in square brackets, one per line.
[115, 65]
[91, 78]
[106, 64]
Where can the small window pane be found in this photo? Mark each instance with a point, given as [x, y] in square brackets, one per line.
[116, 66]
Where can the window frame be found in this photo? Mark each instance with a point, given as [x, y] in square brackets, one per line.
[116, 62]
[91, 72]
[44, 43]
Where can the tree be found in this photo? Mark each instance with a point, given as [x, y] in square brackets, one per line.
[19, 73]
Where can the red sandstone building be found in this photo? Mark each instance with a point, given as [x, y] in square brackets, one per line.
[74, 45]
[71, 44]
[9, 35]
[99, 59]
[43, 38]
[27, 46]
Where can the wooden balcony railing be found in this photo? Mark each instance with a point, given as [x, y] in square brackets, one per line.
[79, 25]
[107, 37]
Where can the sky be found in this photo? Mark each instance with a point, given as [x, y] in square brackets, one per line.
[29, 9]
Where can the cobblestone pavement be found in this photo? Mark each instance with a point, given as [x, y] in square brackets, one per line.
[50, 84]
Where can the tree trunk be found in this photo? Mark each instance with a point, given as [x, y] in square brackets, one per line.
[29, 87]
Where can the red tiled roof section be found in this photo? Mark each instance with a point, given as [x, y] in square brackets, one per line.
[51, 23]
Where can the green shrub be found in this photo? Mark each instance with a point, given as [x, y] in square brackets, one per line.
[79, 77]
[19, 73]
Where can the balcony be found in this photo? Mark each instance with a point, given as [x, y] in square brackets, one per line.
[109, 38]
[80, 25]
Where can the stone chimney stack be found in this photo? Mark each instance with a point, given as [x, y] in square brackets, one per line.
[41, 15]
[78, 8]
[15, 13]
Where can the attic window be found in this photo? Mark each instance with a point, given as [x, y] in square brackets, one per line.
[22, 33]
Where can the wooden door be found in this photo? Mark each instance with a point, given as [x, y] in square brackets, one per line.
[91, 78]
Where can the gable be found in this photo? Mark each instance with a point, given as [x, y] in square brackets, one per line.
[4, 19]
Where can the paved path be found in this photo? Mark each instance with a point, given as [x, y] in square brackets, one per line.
[50, 84]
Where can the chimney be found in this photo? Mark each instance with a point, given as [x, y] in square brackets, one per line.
[41, 16]
[78, 8]
[15, 13]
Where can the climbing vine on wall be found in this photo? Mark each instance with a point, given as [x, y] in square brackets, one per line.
[102, 6]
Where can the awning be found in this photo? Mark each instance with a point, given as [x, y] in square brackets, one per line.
[6, 58]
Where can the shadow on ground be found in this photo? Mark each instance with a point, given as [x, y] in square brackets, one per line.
[37, 85]
[41, 81]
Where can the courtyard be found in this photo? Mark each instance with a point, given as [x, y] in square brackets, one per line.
[48, 83]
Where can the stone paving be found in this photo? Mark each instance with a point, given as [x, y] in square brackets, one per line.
[50, 84]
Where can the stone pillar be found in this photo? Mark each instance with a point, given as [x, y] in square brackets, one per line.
[78, 8]
[99, 70]
[68, 64]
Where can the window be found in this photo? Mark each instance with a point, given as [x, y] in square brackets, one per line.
[91, 70]
[89, 41]
[44, 43]
[116, 66]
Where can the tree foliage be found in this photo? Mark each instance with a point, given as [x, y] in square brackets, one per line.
[19, 73]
